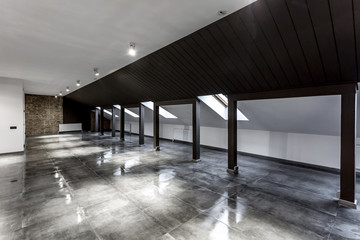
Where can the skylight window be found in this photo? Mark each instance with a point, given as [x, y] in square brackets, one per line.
[131, 113]
[110, 113]
[215, 105]
[219, 104]
[128, 111]
[162, 111]
[222, 99]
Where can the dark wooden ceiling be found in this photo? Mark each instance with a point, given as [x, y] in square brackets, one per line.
[269, 45]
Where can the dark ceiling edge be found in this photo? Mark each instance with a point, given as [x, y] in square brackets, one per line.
[222, 63]
[160, 49]
[108, 106]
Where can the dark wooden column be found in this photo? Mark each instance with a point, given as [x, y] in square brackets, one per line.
[96, 120]
[196, 130]
[113, 122]
[102, 121]
[141, 124]
[348, 143]
[232, 136]
[156, 128]
[122, 124]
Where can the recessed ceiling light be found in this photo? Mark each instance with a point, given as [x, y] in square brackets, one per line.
[60, 93]
[67, 89]
[222, 12]
[132, 51]
[78, 83]
[96, 72]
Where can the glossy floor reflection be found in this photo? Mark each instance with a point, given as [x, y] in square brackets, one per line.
[85, 186]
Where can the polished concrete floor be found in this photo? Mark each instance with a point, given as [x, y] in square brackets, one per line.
[85, 186]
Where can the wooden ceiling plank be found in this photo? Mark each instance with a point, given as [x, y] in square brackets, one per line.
[285, 26]
[157, 81]
[342, 15]
[192, 78]
[356, 8]
[167, 77]
[193, 67]
[304, 28]
[189, 54]
[254, 62]
[197, 51]
[257, 42]
[139, 72]
[208, 46]
[321, 19]
[266, 22]
[230, 58]
[138, 76]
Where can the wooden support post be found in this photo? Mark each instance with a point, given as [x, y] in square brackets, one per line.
[141, 124]
[348, 143]
[113, 122]
[156, 128]
[96, 120]
[122, 124]
[232, 136]
[102, 121]
[196, 129]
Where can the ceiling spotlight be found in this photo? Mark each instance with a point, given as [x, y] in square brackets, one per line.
[56, 96]
[132, 51]
[96, 72]
[67, 89]
[78, 83]
[60, 93]
[222, 12]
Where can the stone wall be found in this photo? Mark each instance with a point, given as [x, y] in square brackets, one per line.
[43, 114]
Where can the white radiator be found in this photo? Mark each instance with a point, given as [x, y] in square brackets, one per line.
[181, 134]
[70, 127]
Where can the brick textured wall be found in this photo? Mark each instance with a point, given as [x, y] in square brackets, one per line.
[43, 114]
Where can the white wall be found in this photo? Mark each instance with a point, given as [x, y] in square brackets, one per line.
[12, 107]
[322, 150]
[307, 148]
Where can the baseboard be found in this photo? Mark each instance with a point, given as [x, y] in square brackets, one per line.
[279, 160]
[273, 159]
[163, 139]
[8, 153]
[294, 163]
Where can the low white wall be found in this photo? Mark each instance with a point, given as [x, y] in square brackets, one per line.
[69, 127]
[12, 105]
[322, 150]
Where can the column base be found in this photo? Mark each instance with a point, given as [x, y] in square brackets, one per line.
[157, 148]
[196, 160]
[234, 171]
[347, 204]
